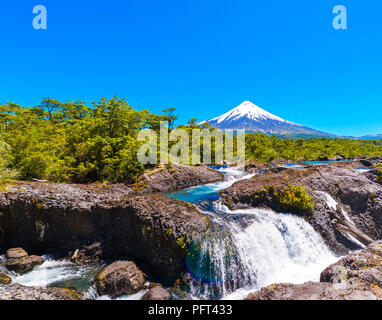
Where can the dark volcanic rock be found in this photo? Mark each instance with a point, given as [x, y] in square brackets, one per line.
[61, 218]
[24, 265]
[18, 292]
[356, 193]
[119, 278]
[93, 252]
[355, 277]
[175, 177]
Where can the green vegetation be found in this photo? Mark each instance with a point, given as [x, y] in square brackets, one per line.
[264, 148]
[379, 175]
[291, 198]
[71, 142]
[6, 173]
[75, 142]
[294, 198]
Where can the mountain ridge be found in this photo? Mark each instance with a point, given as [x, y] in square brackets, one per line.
[252, 118]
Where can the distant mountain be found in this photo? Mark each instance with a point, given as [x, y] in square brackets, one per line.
[373, 136]
[252, 118]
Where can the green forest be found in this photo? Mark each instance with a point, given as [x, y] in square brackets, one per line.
[80, 143]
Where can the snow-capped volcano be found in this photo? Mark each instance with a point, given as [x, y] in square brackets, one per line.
[247, 110]
[250, 117]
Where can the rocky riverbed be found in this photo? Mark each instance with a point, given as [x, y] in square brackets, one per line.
[339, 198]
[142, 237]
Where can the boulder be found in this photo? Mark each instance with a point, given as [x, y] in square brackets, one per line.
[156, 292]
[154, 231]
[18, 292]
[16, 253]
[119, 278]
[357, 276]
[24, 265]
[93, 252]
[4, 279]
[252, 166]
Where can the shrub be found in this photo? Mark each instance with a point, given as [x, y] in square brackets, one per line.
[291, 198]
[294, 198]
[6, 174]
[379, 175]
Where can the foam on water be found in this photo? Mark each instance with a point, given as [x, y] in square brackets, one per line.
[57, 271]
[268, 248]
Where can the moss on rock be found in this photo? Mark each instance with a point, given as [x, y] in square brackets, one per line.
[4, 279]
[290, 198]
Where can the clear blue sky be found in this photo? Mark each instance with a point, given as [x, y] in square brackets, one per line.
[202, 57]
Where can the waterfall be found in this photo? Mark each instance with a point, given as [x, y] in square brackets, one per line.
[258, 247]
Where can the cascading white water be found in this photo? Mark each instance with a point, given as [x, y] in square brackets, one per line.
[52, 272]
[258, 248]
[252, 248]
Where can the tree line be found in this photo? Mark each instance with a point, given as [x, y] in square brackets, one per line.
[80, 143]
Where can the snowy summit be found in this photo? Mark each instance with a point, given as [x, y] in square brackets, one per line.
[251, 117]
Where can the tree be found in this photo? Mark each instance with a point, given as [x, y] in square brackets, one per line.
[170, 117]
[192, 123]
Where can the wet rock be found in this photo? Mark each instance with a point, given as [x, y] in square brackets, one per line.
[252, 166]
[16, 253]
[119, 278]
[357, 276]
[4, 279]
[156, 292]
[24, 265]
[366, 163]
[175, 177]
[154, 231]
[357, 194]
[90, 252]
[18, 292]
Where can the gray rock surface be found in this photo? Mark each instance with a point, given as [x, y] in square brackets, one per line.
[156, 293]
[18, 292]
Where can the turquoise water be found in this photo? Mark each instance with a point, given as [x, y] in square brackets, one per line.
[210, 191]
[317, 163]
[289, 166]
